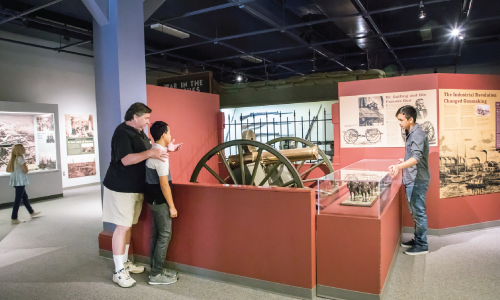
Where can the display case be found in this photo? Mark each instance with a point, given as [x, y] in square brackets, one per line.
[36, 132]
[361, 189]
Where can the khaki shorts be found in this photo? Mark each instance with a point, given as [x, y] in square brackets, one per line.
[121, 208]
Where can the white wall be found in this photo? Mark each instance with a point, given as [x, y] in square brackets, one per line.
[36, 75]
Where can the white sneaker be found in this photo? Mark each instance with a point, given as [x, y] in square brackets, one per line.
[35, 214]
[16, 221]
[133, 268]
[123, 279]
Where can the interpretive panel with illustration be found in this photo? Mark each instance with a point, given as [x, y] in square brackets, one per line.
[469, 161]
[369, 120]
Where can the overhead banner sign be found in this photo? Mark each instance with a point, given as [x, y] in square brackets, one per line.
[370, 120]
[468, 142]
[197, 82]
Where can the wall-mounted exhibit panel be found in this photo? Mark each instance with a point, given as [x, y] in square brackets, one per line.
[364, 189]
[369, 120]
[34, 126]
[469, 160]
[35, 131]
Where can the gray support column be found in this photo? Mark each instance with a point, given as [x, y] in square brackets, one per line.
[120, 68]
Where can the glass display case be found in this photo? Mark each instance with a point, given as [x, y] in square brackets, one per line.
[36, 132]
[361, 189]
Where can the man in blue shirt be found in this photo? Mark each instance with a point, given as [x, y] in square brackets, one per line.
[416, 176]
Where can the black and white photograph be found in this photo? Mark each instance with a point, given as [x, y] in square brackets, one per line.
[88, 148]
[81, 165]
[482, 110]
[421, 109]
[45, 122]
[371, 111]
[16, 129]
[469, 168]
[47, 162]
[79, 125]
[50, 138]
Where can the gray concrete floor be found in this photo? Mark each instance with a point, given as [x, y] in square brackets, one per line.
[56, 256]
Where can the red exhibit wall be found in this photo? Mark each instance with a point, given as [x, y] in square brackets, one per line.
[193, 119]
[442, 213]
[261, 233]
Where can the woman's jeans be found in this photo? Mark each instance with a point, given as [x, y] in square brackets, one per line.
[416, 193]
[21, 196]
[162, 232]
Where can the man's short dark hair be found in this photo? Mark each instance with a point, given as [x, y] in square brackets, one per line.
[408, 111]
[137, 109]
[158, 129]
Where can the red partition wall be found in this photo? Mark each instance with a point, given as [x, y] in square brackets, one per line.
[193, 119]
[355, 253]
[442, 213]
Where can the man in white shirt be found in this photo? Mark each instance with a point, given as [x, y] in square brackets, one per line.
[159, 197]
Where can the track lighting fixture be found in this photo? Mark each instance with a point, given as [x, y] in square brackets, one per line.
[421, 9]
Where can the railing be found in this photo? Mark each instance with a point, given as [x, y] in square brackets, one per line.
[268, 126]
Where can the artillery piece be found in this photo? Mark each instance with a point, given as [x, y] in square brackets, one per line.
[264, 165]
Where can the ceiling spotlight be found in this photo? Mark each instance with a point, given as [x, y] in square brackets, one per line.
[421, 10]
[455, 32]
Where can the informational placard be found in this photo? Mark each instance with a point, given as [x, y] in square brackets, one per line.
[469, 162]
[80, 145]
[79, 134]
[497, 118]
[370, 120]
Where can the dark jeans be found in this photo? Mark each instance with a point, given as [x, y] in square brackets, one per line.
[21, 196]
[416, 193]
[162, 232]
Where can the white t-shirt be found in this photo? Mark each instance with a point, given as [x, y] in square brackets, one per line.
[156, 168]
[18, 177]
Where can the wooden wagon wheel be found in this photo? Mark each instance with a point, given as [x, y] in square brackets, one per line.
[323, 161]
[259, 147]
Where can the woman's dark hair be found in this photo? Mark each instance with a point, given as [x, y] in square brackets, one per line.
[137, 109]
[408, 111]
[158, 129]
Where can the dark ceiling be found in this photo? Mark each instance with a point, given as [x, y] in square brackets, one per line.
[288, 36]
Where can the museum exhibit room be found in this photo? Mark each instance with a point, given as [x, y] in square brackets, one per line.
[250, 149]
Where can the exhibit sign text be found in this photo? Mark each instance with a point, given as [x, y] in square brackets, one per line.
[197, 82]
[369, 120]
[469, 163]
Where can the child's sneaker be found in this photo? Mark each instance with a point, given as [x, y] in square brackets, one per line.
[123, 279]
[16, 221]
[36, 213]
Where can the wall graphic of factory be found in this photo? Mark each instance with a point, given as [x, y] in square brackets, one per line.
[463, 175]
